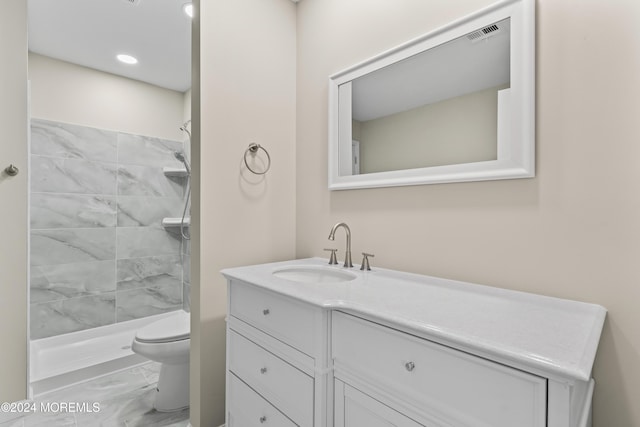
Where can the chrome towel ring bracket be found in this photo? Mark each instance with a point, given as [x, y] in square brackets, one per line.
[253, 150]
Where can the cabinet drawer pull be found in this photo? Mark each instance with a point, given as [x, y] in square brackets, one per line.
[410, 366]
[263, 419]
[263, 370]
[265, 311]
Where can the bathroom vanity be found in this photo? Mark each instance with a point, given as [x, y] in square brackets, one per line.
[310, 344]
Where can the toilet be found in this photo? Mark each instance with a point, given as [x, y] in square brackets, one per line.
[167, 341]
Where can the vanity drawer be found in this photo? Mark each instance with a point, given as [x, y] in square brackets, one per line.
[248, 409]
[286, 387]
[283, 318]
[463, 389]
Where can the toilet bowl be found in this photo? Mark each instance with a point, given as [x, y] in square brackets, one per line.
[167, 342]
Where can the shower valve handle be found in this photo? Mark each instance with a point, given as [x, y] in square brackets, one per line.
[11, 170]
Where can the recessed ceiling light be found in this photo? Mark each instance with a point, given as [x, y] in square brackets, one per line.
[127, 59]
[188, 9]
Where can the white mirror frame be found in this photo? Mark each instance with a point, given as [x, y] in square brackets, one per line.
[516, 141]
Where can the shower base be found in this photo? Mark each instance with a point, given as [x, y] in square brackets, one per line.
[67, 359]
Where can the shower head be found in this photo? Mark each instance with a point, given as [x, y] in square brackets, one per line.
[180, 156]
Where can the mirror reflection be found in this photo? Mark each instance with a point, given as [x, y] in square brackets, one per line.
[439, 107]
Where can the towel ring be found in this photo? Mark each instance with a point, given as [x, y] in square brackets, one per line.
[253, 149]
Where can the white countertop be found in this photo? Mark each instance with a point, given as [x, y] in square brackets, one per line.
[548, 335]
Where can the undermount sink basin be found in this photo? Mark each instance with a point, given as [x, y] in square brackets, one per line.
[314, 274]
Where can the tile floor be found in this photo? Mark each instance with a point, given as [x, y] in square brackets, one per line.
[125, 400]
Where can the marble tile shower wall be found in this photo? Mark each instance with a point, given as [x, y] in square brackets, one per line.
[99, 254]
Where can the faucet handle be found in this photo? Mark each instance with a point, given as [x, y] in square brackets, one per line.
[365, 261]
[332, 258]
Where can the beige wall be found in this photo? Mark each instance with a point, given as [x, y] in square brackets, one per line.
[247, 54]
[572, 232]
[463, 129]
[13, 196]
[71, 93]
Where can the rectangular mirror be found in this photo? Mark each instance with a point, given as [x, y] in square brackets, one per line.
[457, 104]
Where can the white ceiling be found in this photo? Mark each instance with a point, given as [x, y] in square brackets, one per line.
[92, 32]
[456, 68]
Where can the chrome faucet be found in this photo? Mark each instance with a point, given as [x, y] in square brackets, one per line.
[332, 235]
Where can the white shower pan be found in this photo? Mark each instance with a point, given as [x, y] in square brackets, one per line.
[62, 360]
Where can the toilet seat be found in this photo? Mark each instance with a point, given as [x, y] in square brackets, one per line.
[173, 328]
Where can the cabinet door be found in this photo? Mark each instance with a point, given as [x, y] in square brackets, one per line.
[449, 385]
[355, 409]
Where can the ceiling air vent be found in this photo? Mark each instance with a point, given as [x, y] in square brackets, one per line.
[484, 33]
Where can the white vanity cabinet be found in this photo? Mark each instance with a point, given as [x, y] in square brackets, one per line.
[274, 344]
[386, 348]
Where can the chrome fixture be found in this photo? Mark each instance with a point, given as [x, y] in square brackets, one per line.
[365, 261]
[11, 170]
[332, 235]
[253, 150]
[332, 258]
[185, 127]
[181, 157]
